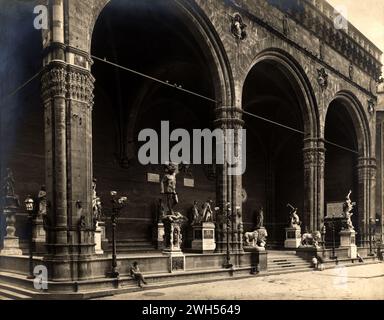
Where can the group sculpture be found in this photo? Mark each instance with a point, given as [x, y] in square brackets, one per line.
[205, 215]
[347, 212]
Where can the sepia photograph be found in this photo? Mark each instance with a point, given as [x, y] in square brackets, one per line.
[202, 152]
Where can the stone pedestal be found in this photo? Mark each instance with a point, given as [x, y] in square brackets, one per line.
[160, 236]
[172, 246]
[98, 237]
[38, 236]
[293, 237]
[259, 261]
[11, 242]
[176, 261]
[348, 240]
[204, 238]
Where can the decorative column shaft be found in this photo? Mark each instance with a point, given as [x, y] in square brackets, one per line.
[229, 186]
[67, 95]
[314, 162]
[367, 190]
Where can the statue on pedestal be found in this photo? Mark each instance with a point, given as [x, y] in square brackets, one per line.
[10, 205]
[347, 212]
[172, 220]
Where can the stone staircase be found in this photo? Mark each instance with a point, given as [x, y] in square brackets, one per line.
[11, 292]
[286, 262]
[132, 247]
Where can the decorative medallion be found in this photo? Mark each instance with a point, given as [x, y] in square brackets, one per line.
[371, 106]
[322, 78]
[238, 27]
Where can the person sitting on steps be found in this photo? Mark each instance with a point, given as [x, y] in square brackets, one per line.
[137, 275]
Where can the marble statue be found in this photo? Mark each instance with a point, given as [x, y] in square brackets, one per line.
[257, 238]
[260, 219]
[311, 239]
[96, 202]
[207, 213]
[10, 197]
[347, 211]
[196, 214]
[168, 187]
[294, 219]
[42, 200]
[9, 185]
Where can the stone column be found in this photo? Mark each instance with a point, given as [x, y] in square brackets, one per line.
[314, 162]
[366, 202]
[229, 187]
[67, 86]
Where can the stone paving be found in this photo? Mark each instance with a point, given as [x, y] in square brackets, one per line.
[363, 282]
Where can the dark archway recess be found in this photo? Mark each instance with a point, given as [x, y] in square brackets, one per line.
[156, 38]
[341, 174]
[275, 169]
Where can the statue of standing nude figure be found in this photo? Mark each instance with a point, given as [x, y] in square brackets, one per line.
[168, 187]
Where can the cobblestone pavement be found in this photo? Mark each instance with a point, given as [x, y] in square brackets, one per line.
[360, 282]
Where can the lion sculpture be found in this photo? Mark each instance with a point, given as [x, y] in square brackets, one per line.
[257, 238]
[311, 239]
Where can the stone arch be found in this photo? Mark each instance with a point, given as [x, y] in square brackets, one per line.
[359, 118]
[201, 27]
[313, 148]
[365, 163]
[302, 85]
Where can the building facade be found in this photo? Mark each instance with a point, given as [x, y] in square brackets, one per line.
[285, 61]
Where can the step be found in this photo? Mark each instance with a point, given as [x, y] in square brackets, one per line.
[13, 295]
[16, 289]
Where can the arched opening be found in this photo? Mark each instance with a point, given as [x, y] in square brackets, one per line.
[341, 171]
[275, 167]
[157, 38]
[21, 115]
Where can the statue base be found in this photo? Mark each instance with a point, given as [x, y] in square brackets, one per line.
[172, 236]
[176, 261]
[98, 236]
[293, 237]
[160, 236]
[204, 238]
[11, 247]
[348, 240]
